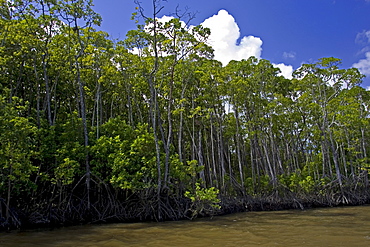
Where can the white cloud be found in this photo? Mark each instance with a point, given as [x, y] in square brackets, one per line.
[164, 19]
[225, 33]
[289, 55]
[149, 29]
[223, 39]
[364, 65]
[363, 38]
[286, 70]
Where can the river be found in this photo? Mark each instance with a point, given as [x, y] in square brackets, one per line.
[342, 226]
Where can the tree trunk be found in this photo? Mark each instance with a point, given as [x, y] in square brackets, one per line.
[81, 87]
[238, 147]
[47, 89]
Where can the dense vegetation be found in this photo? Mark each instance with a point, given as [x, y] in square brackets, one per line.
[91, 131]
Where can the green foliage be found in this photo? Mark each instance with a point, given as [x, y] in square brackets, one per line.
[70, 146]
[204, 200]
[298, 182]
[17, 147]
[204, 195]
[135, 169]
[307, 184]
[65, 172]
[116, 137]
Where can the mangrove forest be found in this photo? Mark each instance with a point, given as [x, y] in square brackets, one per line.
[152, 128]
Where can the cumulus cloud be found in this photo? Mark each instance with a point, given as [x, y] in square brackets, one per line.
[285, 70]
[225, 33]
[364, 65]
[224, 37]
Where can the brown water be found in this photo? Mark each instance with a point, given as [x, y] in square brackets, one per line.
[347, 226]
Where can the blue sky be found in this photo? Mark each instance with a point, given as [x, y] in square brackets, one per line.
[285, 32]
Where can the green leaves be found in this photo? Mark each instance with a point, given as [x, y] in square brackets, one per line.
[136, 168]
[204, 195]
[204, 200]
[64, 174]
[16, 145]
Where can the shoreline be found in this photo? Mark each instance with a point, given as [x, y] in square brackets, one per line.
[274, 201]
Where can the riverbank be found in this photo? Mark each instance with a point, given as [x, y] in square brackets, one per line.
[276, 201]
[145, 207]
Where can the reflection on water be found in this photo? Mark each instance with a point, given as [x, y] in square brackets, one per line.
[347, 226]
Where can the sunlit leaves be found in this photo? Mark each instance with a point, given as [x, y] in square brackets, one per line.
[17, 148]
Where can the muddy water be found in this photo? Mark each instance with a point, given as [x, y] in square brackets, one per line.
[347, 226]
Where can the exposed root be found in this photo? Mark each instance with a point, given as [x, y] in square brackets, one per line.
[148, 205]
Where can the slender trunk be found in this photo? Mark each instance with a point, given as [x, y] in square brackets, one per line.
[85, 131]
[81, 89]
[269, 165]
[200, 155]
[97, 110]
[181, 125]
[7, 213]
[253, 165]
[37, 94]
[237, 137]
[153, 116]
[220, 147]
[169, 134]
[47, 89]
[129, 96]
[335, 158]
[129, 104]
[363, 143]
[344, 160]
[169, 115]
[213, 154]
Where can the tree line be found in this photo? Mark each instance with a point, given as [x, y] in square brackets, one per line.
[152, 128]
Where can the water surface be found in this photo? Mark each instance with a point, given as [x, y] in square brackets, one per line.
[343, 226]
